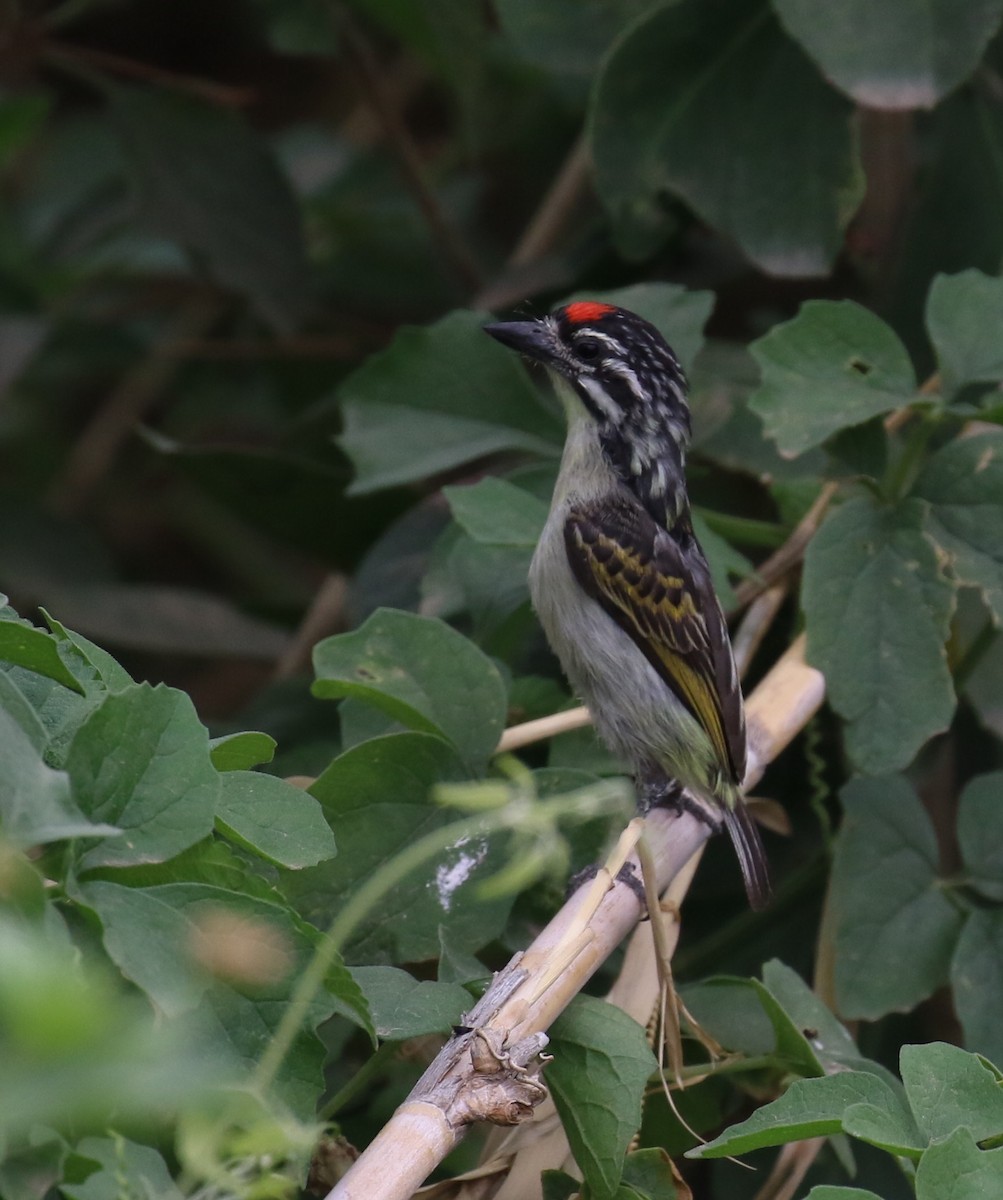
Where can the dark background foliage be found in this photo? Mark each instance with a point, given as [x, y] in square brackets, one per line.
[246, 248]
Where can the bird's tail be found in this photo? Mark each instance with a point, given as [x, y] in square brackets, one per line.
[751, 855]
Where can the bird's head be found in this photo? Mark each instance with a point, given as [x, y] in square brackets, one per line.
[628, 380]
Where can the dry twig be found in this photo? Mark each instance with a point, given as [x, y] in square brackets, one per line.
[487, 1071]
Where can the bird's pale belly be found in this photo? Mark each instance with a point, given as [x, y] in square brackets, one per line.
[633, 709]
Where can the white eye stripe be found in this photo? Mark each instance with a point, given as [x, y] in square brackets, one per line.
[609, 342]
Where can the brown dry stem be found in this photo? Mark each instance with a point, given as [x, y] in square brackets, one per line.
[539, 982]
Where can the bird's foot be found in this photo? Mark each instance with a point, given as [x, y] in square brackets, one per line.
[672, 795]
[627, 874]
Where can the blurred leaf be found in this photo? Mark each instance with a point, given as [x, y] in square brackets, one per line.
[172, 620]
[809, 1108]
[421, 672]
[438, 397]
[36, 650]
[405, 1007]
[20, 338]
[896, 54]
[123, 1168]
[829, 1192]
[877, 608]
[205, 179]
[141, 760]
[173, 939]
[150, 941]
[963, 139]
[241, 751]
[947, 1087]
[488, 582]
[834, 365]
[980, 834]
[36, 805]
[78, 1054]
[497, 512]
[894, 927]
[273, 819]
[601, 1065]
[300, 27]
[963, 483]
[722, 557]
[21, 116]
[567, 37]
[377, 797]
[956, 1169]
[976, 980]
[716, 104]
[963, 315]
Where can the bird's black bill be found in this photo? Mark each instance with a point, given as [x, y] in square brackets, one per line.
[528, 337]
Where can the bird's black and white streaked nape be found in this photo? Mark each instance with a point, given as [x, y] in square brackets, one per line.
[619, 581]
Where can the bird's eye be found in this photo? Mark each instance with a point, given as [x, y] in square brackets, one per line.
[587, 348]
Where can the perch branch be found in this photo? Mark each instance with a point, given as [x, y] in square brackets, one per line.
[484, 1070]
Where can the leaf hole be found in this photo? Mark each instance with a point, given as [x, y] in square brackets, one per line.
[364, 673]
[861, 367]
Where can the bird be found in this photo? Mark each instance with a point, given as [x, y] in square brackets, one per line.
[619, 581]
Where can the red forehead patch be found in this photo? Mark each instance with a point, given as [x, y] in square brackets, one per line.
[586, 310]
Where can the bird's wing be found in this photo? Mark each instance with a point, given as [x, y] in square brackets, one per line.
[656, 585]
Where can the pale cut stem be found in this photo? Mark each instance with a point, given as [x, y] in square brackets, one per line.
[430, 1123]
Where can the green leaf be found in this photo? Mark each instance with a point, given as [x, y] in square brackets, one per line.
[963, 316]
[274, 819]
[977, 981]
[649, 1173]
[956, 1169]
[497, 512]
[678, 314]
[827, 1191]
[241, 751]
[601, 1065]
[36, 805]
[405, 1007]
[141, 761]
[566, 37]
[897, 54]
[95, 668]
[377, 796]
[828, 1037]
[153, 935]
[980, 834]
[877, 609]
[713, 103]
[205, 180]
[894, 927]
[124, 1169]
[298, 27]
[722, 558]
[150, 941]
[809, 1108]
[438, 397]
[832, 366]
[35, 650]
[947, 1087]
[890, 1129]
[421, 672]
[963, 484]
[21, 116]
